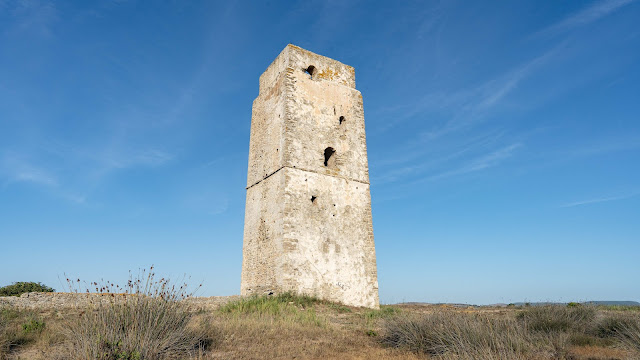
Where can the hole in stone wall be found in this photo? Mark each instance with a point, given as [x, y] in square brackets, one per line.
[341, 119]
[310, 71]
[313, 199]
[329, 157]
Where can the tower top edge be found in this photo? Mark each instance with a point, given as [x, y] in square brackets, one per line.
[322, 68]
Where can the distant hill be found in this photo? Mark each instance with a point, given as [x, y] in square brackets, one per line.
[619, 303]
[603, 302]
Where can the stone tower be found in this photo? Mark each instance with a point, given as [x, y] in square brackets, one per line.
[308, 213]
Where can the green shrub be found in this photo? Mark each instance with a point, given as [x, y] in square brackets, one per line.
[372, 333]
[19, 288]
[269, 304]
[384, 312]
[33, 326]
[340, 308]
[287, 307]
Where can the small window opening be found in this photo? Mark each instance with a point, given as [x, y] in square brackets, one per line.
[313, 199]
[341, 119]
[311, 70]
[329, 157]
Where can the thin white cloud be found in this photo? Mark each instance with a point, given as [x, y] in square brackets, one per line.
[492, 94]
[220, 208]
[417, 163]
[621, 143]
[467, 106]
[89, 168]
[32, 17]
[150, 157]
[599, 200]
[134, 158]
[16, 169]
[596, 11]
[486, 161]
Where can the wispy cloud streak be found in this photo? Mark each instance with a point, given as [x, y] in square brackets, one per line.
[466, 107]
[16, 169]
[31, 17]
[599, 200]
[483, 162]
[596, 11]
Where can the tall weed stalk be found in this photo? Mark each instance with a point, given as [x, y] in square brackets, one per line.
[142, 320]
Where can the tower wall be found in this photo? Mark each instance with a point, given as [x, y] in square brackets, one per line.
[308, 225]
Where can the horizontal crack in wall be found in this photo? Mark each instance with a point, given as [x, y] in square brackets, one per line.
[336, 176]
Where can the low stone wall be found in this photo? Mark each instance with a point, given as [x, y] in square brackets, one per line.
[59, 301]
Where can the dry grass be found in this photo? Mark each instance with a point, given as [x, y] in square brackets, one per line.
[135, 328]
[4, 339]
[147, 321]
[20, 329]
[288, 326]
[546, 332]
[556, 318]
[628, 332]
[332, 333]
[450, 335]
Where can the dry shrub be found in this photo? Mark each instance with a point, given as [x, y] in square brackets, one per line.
[4, 340]
[628, 332]
[558, 318]
[461, 336]
[147, 322]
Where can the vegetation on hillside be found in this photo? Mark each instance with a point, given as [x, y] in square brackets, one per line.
[143, 319]
[19, 288]
[151, 321]
[544, 332]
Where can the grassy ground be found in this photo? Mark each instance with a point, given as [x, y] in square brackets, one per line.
[291, 327]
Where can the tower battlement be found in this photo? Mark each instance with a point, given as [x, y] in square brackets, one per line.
[308, 225]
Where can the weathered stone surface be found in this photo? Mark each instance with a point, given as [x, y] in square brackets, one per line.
[59, 301]
[308, 222]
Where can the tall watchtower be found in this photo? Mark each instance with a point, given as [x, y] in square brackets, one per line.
[308, 213]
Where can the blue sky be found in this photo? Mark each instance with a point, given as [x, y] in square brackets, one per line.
[503, 138]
